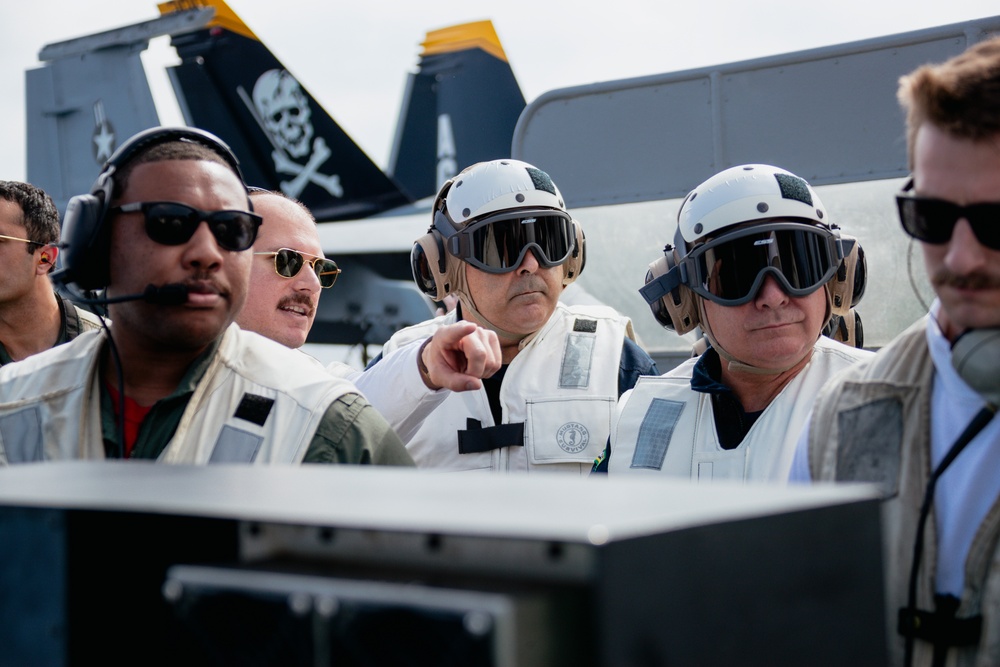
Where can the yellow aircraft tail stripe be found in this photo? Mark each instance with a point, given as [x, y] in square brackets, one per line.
[478, 34]
[224, 16]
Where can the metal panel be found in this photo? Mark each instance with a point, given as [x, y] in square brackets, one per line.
[33, 614]
[828, 114]
[792, 573]
[79, 109]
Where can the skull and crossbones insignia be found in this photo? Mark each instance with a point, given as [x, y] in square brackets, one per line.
[282, 109]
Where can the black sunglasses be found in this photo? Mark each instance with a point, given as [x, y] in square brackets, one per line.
[173, 223]
[288, 263]
[933, 220]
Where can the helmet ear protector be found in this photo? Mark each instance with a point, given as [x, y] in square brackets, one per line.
[848, 285]
[428, 262]
[428, 259]
[673, 304]
[86, 236]
[846, 328]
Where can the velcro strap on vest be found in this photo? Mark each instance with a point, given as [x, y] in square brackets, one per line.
[477, 439]
[940, 627]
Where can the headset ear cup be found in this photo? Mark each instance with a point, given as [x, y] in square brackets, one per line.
[578, 260]
[85, 244]
[848, 284]
[429, 265]
[860, 276]
[678, 309]
[846, 329]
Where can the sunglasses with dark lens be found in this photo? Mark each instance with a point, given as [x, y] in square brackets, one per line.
[499, 243]
[933, 220]
[288, 263]
[173, 223]
[730, 270]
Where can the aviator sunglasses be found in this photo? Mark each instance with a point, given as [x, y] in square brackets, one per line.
[173, 223]
[18, 238]
[933, 220]
[288, 263]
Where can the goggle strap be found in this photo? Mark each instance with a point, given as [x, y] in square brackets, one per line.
[663, 285]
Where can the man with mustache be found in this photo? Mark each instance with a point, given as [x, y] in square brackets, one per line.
[166, 232]
[916, 420]
[287, 275]
[758, 266]
[503, 242]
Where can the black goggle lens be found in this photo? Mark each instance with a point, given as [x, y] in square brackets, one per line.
[731, 271]
[499, 246]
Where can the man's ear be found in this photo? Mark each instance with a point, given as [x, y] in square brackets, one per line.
[47, 258]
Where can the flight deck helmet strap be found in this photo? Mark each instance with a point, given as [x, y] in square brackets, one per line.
[86, 238]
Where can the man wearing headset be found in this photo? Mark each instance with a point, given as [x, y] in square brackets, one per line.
[503, 242]
[33, 317]
[757, 264]
[916, 420]
[166, 232]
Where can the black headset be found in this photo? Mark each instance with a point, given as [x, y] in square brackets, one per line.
[86, 238]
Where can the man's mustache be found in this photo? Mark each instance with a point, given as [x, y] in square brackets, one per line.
[976, 280]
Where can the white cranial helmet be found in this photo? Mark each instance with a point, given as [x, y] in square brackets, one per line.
[744, 194]
[499, 185]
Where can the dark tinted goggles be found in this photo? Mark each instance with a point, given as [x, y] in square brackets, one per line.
[173, 223]
[933, 220]
[498, 244]
[730, 270]
[288, 263]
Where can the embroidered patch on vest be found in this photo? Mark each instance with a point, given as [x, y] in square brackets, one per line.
[870, 440]
[236, 446]
[21, 436]
[657, 428]
[578, 357]
[254, 408]
[585, 326]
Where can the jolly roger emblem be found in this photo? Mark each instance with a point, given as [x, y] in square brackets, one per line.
[281, 108]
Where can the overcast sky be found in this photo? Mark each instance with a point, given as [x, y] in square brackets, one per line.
[353, 56]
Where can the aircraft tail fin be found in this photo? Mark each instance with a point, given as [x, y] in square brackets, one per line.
[230, 84]
[459, 108]
[89, 94]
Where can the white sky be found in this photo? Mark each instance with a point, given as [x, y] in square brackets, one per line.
[353, 56]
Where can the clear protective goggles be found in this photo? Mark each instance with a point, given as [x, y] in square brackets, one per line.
[730, 270]
[498, 243]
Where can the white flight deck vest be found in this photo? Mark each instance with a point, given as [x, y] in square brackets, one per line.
[665, 427]
[258, 402]
[562, 386]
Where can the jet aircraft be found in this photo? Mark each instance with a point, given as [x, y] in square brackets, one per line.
[459, 107]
